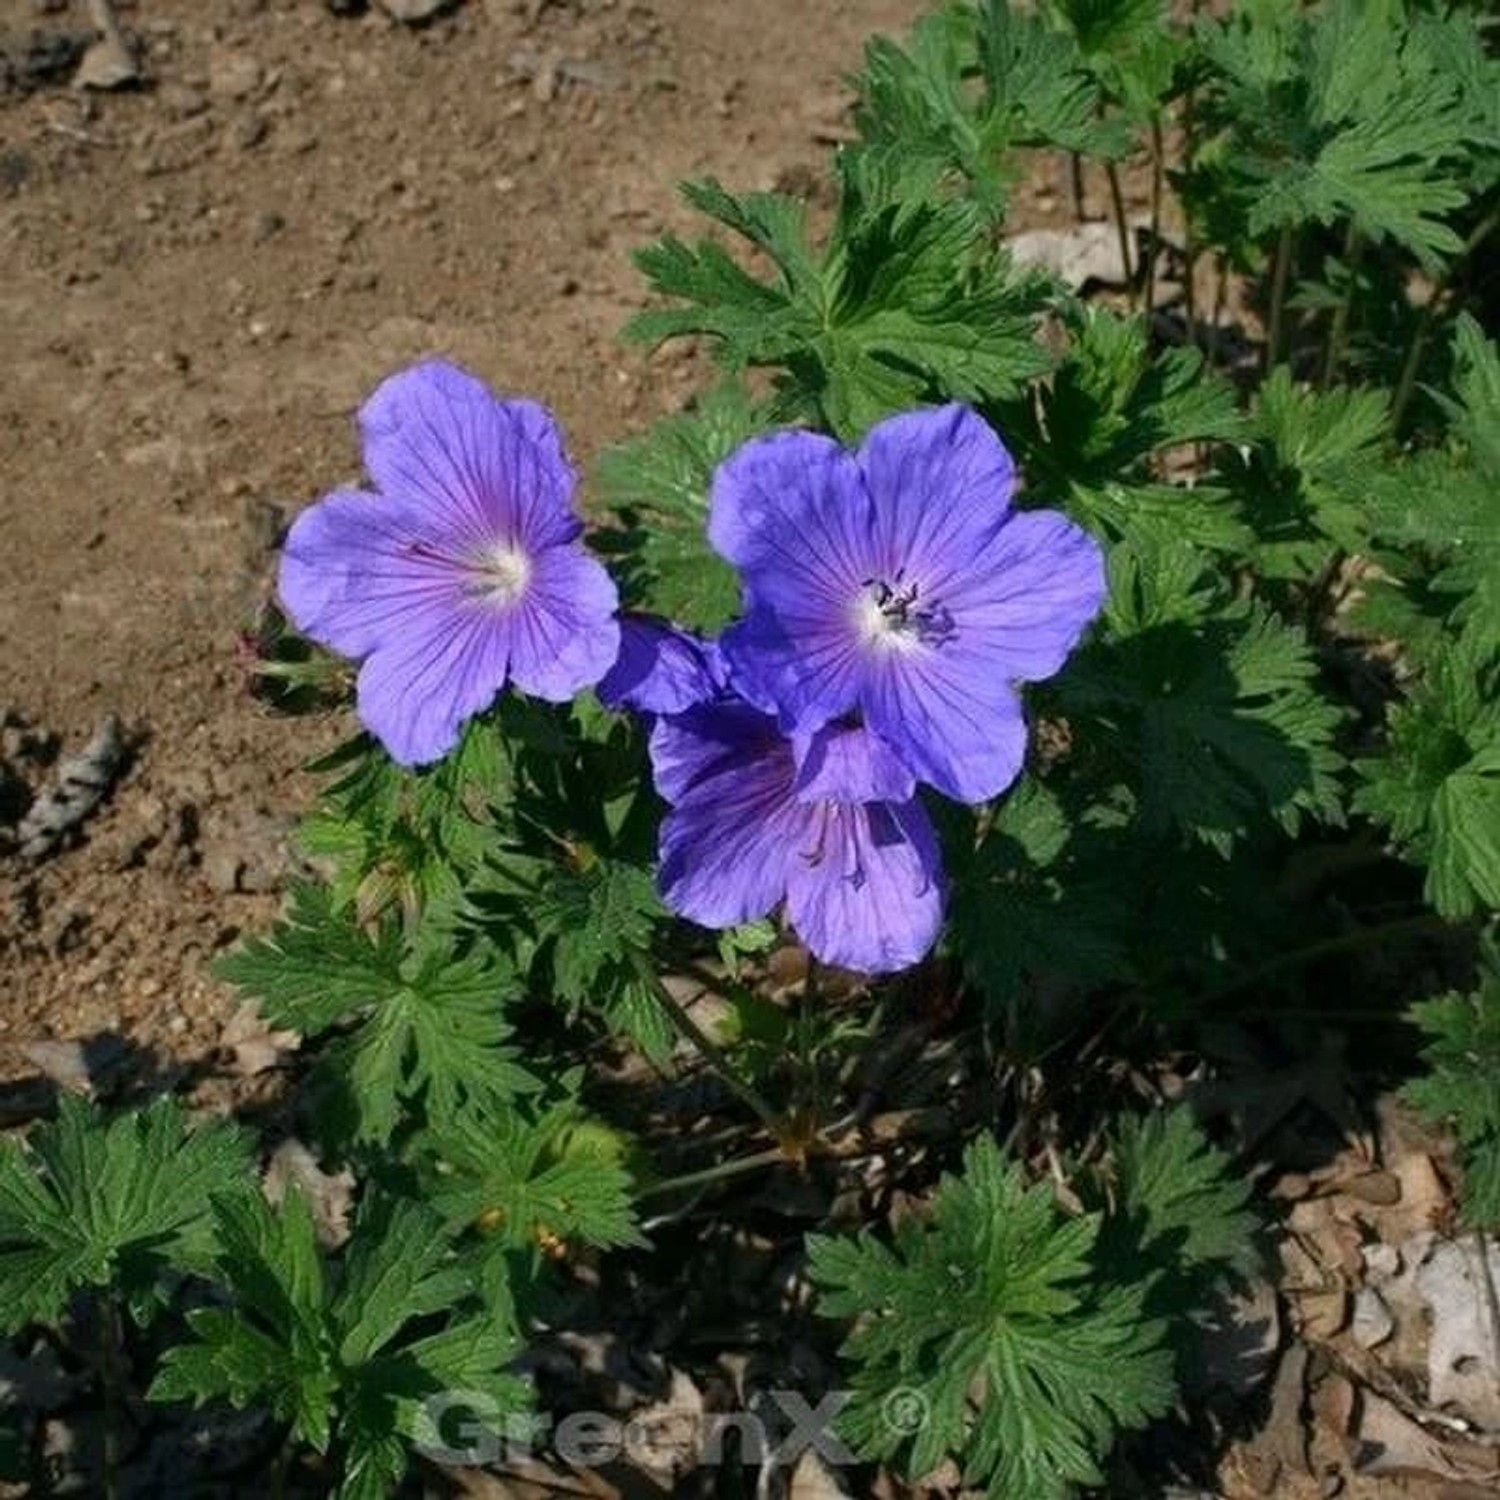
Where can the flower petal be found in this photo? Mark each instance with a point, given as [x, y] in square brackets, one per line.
[349, 575]
[839, 764]
[416, 691]
[688, 750]
[806, 672]
[789, 510]
[872, 898]
[661, 669]
[484, 470]
[564, 635]
[961, 731]
[726, 845]
[940, 481]
[1021, 607]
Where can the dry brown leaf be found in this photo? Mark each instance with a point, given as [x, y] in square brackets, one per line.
[1387, 1441]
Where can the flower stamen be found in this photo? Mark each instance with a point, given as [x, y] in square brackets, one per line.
[499, 574]
[888, 615]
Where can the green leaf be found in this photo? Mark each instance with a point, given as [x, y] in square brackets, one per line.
[354, 1361]
[96, 1202]
[596, 915]
[1131, 46]
[908, 302]
[1340, 113]
[528, 1180]
[316, 966]
[1305, 486]
[1100, 430]
[1038, 899]
[276, 1348]
[1027, 1362]
[1182, 1208]
[1462, 1086]
[1437, 787]
[398, 1268]
[1442, 508]
[658, 486]
[430, 1032]
[1208, 707]
[439, 1044]
[1033, 90]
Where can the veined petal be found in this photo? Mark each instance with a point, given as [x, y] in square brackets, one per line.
[869, 896]
[416, 690]
[791, 505]
[484, 470]
[726, 845]
[808, 673]
[940, 482]
[661, 669]
[849, 764]
[352, 570]
[1030, 595]
[960, 731]
[789, 510]
[689, 750]
[564, 635]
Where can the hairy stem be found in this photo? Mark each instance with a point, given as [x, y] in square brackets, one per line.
[1280, 276]
[1122, 229]
[709, 1050]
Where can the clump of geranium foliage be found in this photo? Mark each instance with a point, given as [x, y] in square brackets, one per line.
[960, 624]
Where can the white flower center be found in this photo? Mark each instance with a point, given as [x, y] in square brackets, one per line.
[889, 617]
[499, 574]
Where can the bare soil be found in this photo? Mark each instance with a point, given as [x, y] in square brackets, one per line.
[201, 279]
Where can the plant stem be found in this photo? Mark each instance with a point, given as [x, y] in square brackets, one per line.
[807, 1064]
[1280, 275]
[1407, 384]
[1491, 1296]
[705, 1175]
[1221, 296]
[109, 1377]
[1158, 166]
[1075, 173]
[1353, 245]
[1117, 203]
[709, 1050]
[1189, 247]
[1426, 925]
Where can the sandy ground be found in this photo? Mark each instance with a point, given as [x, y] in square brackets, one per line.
[199, 282]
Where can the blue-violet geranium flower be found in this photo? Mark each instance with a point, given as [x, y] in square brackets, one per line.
[860, 871]
[894, 586]
[661, 668]
[464, 573]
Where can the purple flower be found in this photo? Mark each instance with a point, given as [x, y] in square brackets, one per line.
[862, 881]
[895, 583]
[661, 669]
[463, 574]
